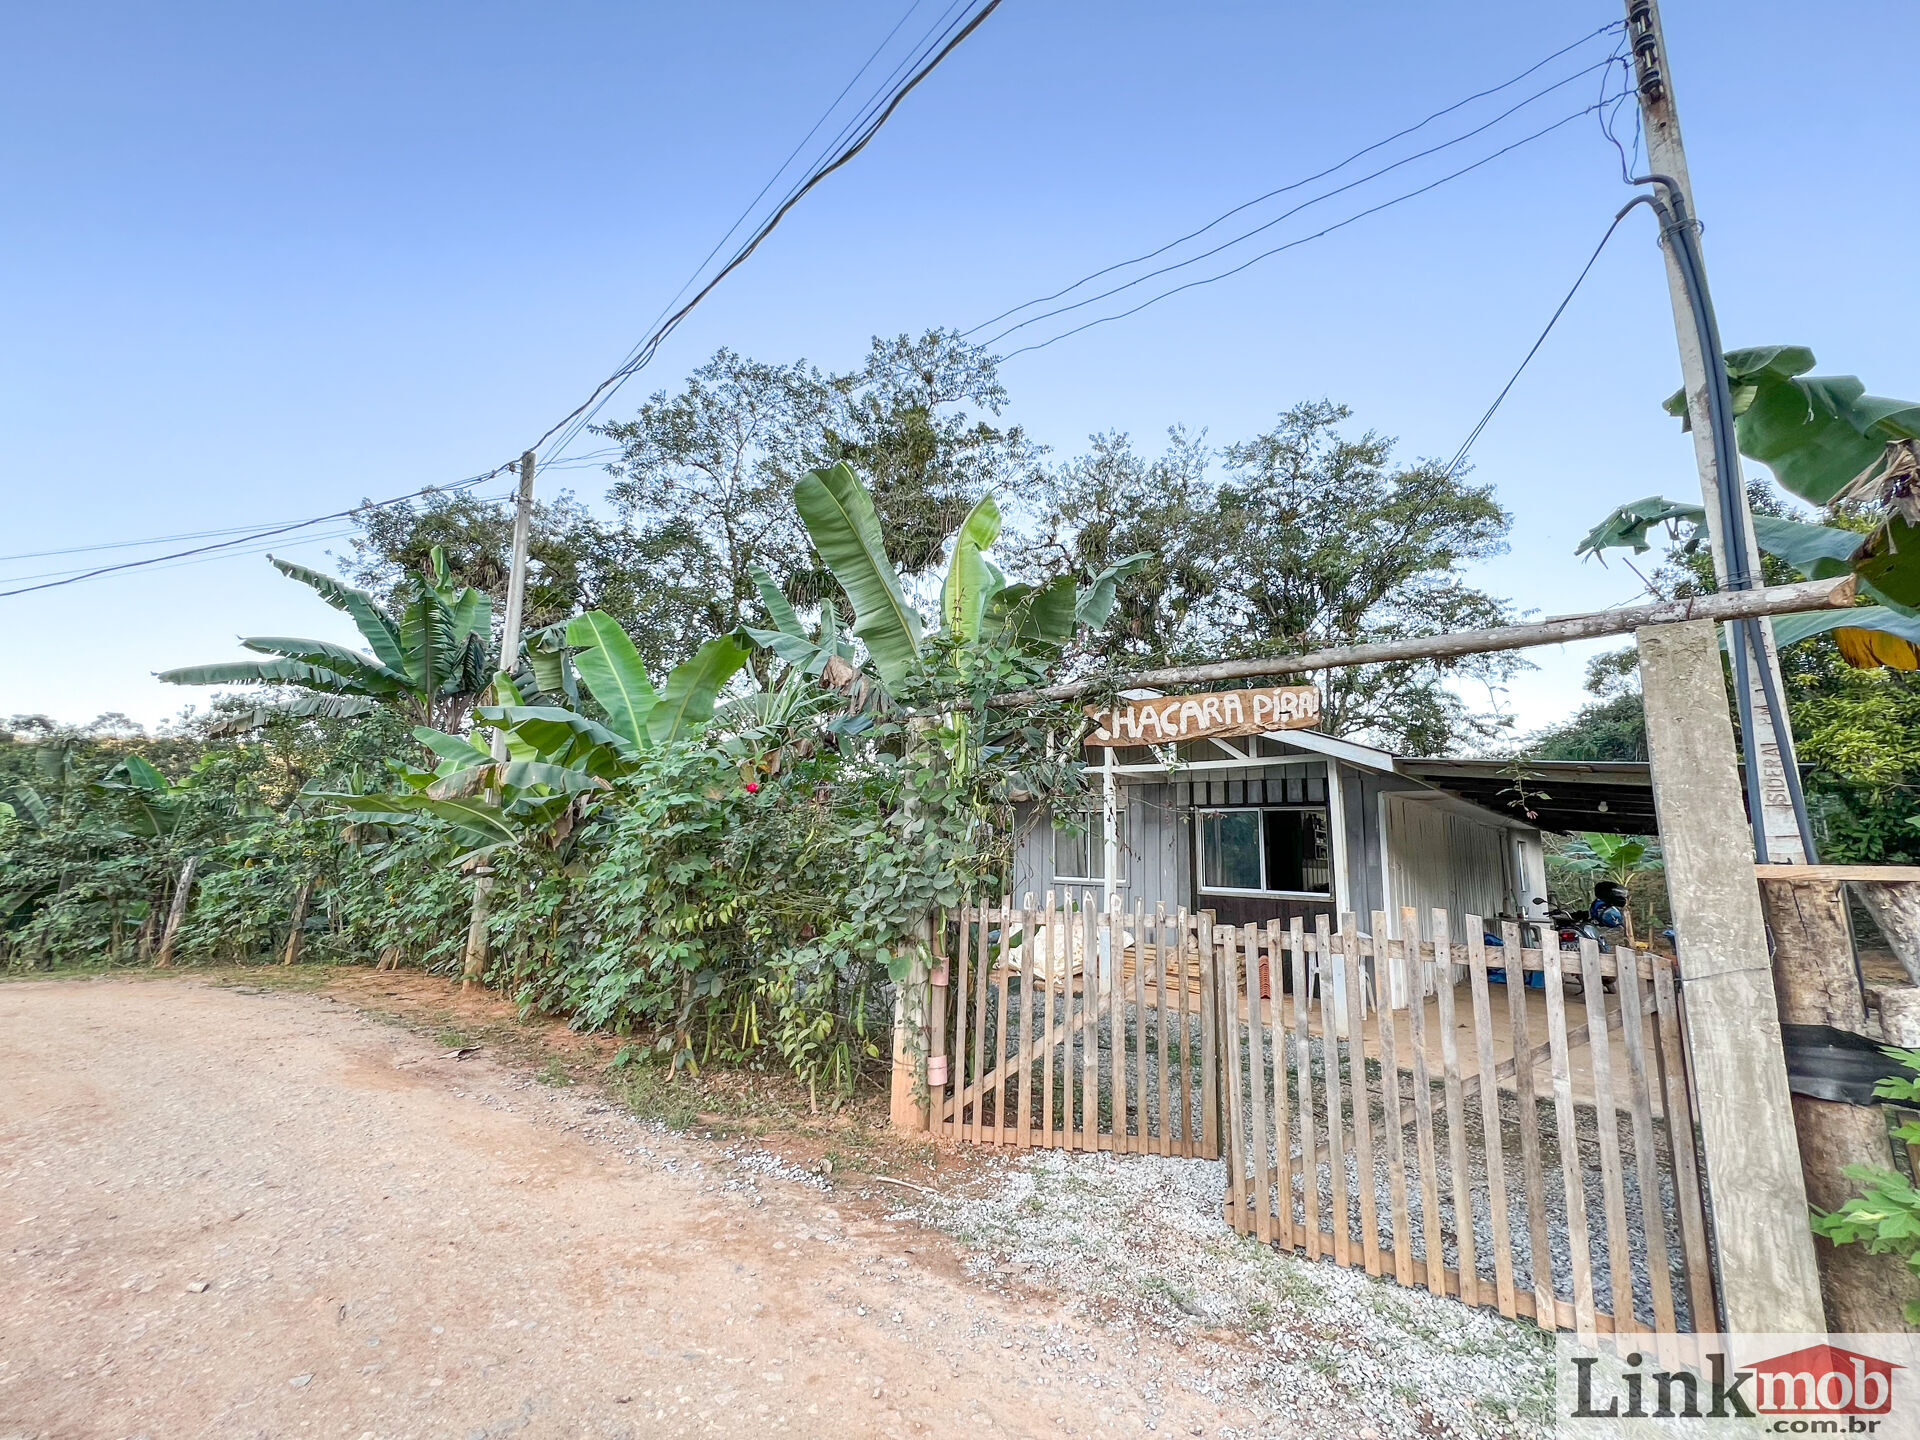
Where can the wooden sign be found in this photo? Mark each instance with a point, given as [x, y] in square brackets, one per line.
[1173, 718]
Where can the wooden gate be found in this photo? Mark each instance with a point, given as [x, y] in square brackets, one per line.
[1361, 1134]
[1066, 1025]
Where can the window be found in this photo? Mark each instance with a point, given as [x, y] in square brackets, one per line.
[1265, 852]
[1084, 856]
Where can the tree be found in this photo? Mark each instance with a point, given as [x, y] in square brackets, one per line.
[1311, 539]
[705, 478]
[576, 562]
[431, 652]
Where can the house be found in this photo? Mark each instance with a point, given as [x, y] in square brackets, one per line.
[1293, 823]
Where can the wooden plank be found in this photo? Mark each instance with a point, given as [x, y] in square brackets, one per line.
[1029, 1027]
[1430, 1227]
[1309, 1232]
[1089, 1024]
[1607, 1126]
[1854, 874]
[981, 959]
[1533, 1178]
[1688, 1200]
[1256, 1117]
[1187, 1140]
[1342, 1221]
[1579, 1245]
[961, 951]
[1646, 1161]
[1349, 957]
[1390, 1105]
[1492, 1143]
[1142, 1139]
[1003, 1050]
[1228, 977]
[1049, 1132]
[1210, 988]
[1284, 1227]
[1456, 1113]
[1165, 1146]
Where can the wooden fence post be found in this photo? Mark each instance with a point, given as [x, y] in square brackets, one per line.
[1755, 1193]
[906, 1110]
[1813, 971]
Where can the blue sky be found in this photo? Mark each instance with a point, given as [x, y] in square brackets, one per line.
[265, 261]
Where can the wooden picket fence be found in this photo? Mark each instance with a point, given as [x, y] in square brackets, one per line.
[1359, 1076]
[1065, 1025]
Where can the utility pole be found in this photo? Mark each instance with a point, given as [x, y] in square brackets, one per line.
[475, 964]
[516, 586]
[1773, 781]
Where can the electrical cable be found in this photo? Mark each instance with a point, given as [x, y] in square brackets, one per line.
[651, 345]
[151, 560]
[1460, 455]
[918, 49]
[955, 34]
[1285, 189]
[1305, 239]
[1304, 204]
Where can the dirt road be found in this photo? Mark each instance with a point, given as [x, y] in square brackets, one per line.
[232, 1214]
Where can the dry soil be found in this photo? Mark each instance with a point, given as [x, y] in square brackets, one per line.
[266, 1214]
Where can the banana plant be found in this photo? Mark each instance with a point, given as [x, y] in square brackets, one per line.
[978, 608]
[1831, 444]
[559, 761]
[431, 654]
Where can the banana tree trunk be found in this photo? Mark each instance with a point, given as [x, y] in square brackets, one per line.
[181, 892]
[297, 928]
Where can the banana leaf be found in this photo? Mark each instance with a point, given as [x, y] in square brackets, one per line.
[693, 687]
[841, 521]
[613, 672]
[368, 618]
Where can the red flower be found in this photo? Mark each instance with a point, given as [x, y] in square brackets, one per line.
[753, 787]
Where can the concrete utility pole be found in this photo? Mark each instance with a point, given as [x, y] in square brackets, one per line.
[1772, 750]
[474, 965]
[516, 586]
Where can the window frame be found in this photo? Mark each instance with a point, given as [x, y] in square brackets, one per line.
[1092, 815]
[1200, 844]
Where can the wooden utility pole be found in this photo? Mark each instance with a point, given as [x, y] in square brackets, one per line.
[296, 930]
[177, 912]
[1772, 749]
[475, 964]
[1769, 1281]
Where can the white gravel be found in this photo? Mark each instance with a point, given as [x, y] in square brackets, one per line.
[1139, 1241]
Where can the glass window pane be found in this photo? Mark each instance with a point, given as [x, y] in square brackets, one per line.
[1084, 856]
[1297, 851]
[1230, 849]
[1070, 854]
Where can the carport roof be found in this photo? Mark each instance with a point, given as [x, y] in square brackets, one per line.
[1608, 796]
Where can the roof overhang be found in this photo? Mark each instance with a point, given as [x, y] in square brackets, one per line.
[1607, 796]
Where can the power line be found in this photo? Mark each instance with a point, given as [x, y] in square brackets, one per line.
[1460, 455]
[1295, 185]
[1305, 239]
[919, 48]
[1304, 204]
[151, 560]
[643, 354]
